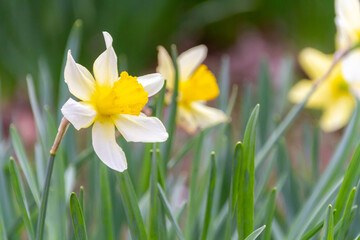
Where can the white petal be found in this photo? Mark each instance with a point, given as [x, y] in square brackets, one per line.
[105, 146]
[79, 80]
[152, 83]
[190, 60]
[141, 128]
[348, 12]
[350, 67]
[186, 119]
[80, 114]
[166, 67]
[207, 116]
[105, 66]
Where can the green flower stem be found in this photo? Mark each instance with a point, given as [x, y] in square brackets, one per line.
[294, 112]
[171, 121]
[64, 124]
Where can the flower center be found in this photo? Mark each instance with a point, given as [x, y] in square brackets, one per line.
[201, 86]
[339, 86]
[126, 96]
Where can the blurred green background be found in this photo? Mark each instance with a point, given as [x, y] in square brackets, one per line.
[33, 33]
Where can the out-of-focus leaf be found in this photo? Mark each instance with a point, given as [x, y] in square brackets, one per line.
[329, 179]
[346, 218]
[169, 212]
[351, 176]
[212, 182]
[171, 120]
[20, 198]
[131, 206]
[313, 231]
[2, 227]
[24, 163]
[265, 100]
[328, 229]
[245, 213]
[107, 209]
[73, 44]
[254, 235]
[192, 211]
[270, 210]
[77, 218]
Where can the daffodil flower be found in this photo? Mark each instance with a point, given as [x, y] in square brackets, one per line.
[348, 33]
[108, 100]
[196, 86]
[333, 96]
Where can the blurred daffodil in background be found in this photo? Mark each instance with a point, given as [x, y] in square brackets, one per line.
[110, 100]
[333, 96]
[336, 95]
[197, 85]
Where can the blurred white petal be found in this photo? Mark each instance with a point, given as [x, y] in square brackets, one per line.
[190, 60]
[351, 67]
[207, 116]
[165, 67]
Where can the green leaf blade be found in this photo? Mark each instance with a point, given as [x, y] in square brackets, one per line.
[245, 213]
[77, 218]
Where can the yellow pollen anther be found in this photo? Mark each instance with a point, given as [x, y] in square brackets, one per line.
[126, 96]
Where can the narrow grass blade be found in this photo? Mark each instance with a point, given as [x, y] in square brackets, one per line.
[313, 231]
[345, 220]
[328, 229]
[81, 198]
[351, 176]
[44, 199]
[131, 206]
[212, 182]
[171, 126]
[20, 197]
[24, 163]
[265, 100]
[2, 227]
[144, 180]
[224, 82]
[329, 178]
[156, 230]
[237, 159]
[192, 211]
[73, 44]
[77, 218]
[280, 130]
[255, 234]
[106, 204]
[169, 212]
[36, 110]
[245, 213]
[182, 153]
[235, 176]
[270, 210]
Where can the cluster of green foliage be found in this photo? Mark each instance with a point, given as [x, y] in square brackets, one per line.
[236, 190]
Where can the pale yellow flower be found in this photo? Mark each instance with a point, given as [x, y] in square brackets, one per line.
[196, 86]
[110, 100]
[333, 96]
